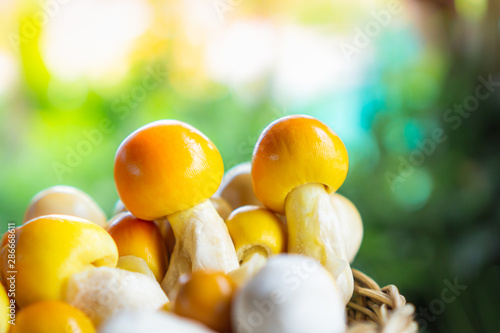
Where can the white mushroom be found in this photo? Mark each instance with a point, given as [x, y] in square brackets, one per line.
[291, 294]
[102, 292]
[151, 322]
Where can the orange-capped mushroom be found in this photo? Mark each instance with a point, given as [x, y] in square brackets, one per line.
[142, 239]
[297, 162]
[170, 169]
[206, 297]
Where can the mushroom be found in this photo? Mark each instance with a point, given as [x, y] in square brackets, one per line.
[350, 220]
[291, 294]
[206, 297]
[49, 249]
[236, 186]
[65, 200]
[151, 321]
[222, 206]
[51, 316]
[170, 169]
[142, 239]
[297, 162]
[257, 233]
[104, 291]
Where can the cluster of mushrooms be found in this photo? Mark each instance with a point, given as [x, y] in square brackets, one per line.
[264, 248]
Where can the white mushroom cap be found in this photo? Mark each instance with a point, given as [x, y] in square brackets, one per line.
[151, 321]
[291, 294]
[102, 292]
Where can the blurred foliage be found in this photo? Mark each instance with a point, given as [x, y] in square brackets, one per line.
[231, 67]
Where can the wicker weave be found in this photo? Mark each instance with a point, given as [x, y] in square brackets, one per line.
[375, 309]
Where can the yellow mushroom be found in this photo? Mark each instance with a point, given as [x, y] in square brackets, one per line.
[297, 162]
[257, 234]
[49, 249]
[170, 169]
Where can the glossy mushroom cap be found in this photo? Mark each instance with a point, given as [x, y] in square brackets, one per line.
[140, 238]
[293, 151]
[65, 200]
[52, 316]
[165, 167]
[50, 249]
[256, 229]
[206, 297]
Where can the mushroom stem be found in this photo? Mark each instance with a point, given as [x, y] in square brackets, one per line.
[203, 242]
[314, 230]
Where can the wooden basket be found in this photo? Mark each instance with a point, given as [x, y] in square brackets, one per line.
[375, 309]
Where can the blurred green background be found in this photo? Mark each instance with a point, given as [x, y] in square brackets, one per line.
[404, 84]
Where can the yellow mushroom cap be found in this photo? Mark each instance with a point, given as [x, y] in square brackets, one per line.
[51, 317]
[49, 249]
[293, 151]
[65, 200]
[256, 229]
[165, 167]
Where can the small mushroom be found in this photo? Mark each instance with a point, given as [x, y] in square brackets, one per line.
[291, 294]
[170, 169]
[236, 186]
[65, 200]
[104, 291]
[257, 234]
[296, 163]
[49, 250]
[140, 238]
[151, 322]
[51, 316]
[206, 297]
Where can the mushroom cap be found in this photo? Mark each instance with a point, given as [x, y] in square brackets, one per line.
[140, 238]
[50, 249]
[236, 186]
[151, 321]
[256, 229]
[206, 297]
[293, 151]
[165, 167]
[65, 200]
[291, 294]
[51, 316]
